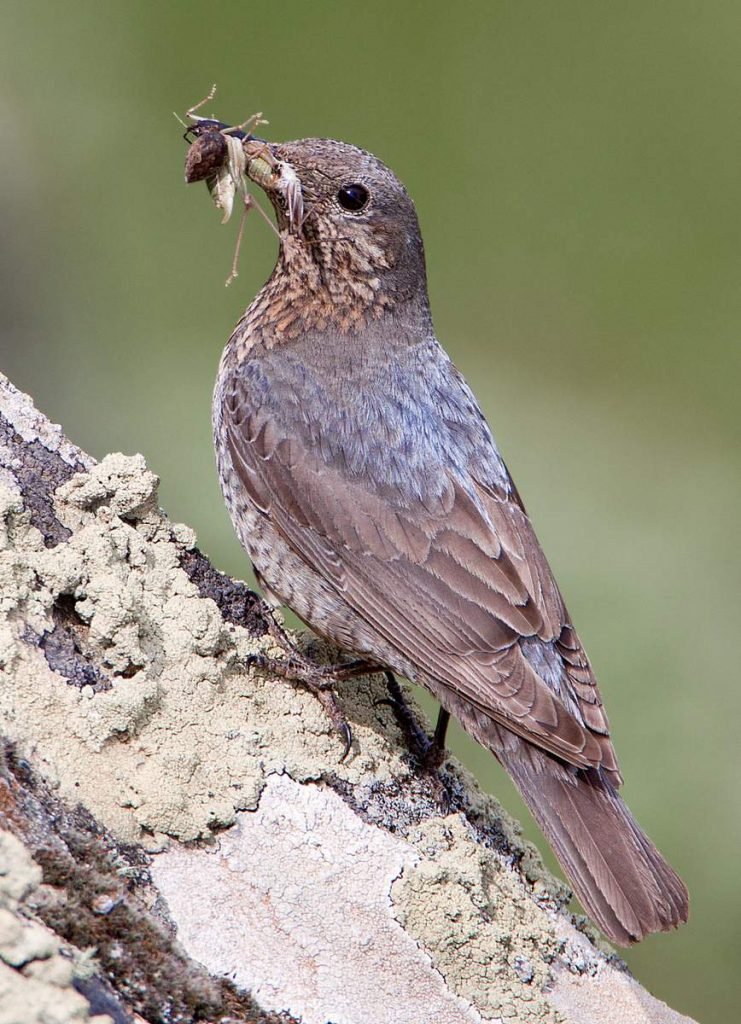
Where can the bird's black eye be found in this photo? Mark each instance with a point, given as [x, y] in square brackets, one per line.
[353, 197]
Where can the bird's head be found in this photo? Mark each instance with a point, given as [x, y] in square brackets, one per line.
[350, 245]
[343, 211]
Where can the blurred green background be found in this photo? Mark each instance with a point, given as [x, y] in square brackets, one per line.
[576, 172]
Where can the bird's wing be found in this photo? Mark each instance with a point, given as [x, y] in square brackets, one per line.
[454, 583]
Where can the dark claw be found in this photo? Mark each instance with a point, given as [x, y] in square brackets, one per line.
[443, 797]
[388, 701]
[346, 733]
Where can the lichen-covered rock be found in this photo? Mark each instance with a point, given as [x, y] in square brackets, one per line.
[147, 714]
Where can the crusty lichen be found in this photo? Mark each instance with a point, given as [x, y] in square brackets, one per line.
[185, 735]
[483, 931]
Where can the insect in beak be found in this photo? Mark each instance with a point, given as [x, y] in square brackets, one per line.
[228, 158]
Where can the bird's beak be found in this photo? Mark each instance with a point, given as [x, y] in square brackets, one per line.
[228, 158]
[276, 176]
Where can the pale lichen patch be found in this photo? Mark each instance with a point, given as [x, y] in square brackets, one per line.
[478, 923]
[34, 428]
[184, 735]
[120, 482]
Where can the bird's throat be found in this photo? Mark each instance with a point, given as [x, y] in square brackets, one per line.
[333, 287]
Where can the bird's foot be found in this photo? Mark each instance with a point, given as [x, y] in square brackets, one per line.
[304, 666]
[318, 679]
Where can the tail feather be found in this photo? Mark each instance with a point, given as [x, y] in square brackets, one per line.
[619, 876]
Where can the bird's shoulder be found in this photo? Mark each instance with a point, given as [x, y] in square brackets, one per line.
[394, 417]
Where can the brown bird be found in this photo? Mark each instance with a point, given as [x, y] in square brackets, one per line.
[364, 483]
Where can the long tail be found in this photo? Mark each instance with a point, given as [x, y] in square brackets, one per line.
[619, 876]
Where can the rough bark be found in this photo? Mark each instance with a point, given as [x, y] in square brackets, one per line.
[179, 840]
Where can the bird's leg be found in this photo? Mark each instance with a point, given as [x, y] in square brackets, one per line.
[414, 735]
[296, 664]
[319, 679]
[429, 752]
[299, 669]
[441, 729]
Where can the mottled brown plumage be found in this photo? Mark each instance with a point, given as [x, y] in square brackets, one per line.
[364, 483]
